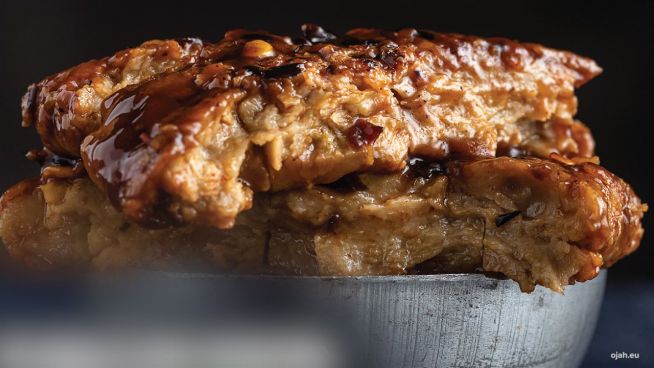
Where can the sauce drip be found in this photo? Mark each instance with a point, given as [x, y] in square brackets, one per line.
[131, 129]
[420, 168]
[143, 127]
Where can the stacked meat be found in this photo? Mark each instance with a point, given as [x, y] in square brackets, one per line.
[374, 153]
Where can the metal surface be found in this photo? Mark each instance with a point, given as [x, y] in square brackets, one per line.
[380, 322]
[471, 321]
[446, 320]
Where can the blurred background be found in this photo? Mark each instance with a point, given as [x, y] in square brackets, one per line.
[40, 39]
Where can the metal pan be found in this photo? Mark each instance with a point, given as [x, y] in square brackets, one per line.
[456, 320]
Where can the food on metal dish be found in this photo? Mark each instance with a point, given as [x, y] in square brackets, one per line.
[370, 153]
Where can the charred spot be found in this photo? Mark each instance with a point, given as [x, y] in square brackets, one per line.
[418, 167]
[333, 222]
[282, 71]
[367, 62]
[316, 34]
[389, 58]
[124, 226]
[506, 217]
[347, 184]
[363, 133]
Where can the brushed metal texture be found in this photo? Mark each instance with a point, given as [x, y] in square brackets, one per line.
[460, 320]
[471, 321]
[456, 320]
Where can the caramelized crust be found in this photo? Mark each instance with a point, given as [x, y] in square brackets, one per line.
[184, 132]
[559, 206]
[65, 107]
[536, 221]
[374, 153]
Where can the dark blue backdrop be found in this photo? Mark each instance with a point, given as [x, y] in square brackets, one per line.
[37, 39]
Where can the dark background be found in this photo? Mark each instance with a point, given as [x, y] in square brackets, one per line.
[40, 39]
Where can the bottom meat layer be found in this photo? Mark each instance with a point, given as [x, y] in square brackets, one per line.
[535, 221]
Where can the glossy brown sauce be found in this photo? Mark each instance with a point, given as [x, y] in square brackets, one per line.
[423, 168]
[52, 104]
[151, 119]
[55, 167]
[115, 152]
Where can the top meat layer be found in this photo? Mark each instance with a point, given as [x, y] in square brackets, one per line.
[183, 131]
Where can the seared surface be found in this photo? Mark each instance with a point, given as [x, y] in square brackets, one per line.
[536, 221]
[65, 107]
[185, 131]
[373, 153]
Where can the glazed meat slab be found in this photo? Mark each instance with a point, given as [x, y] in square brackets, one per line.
[535, 221]
[371, 153]
[185, 131]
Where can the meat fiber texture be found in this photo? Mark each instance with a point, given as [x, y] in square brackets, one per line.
[371, 153]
